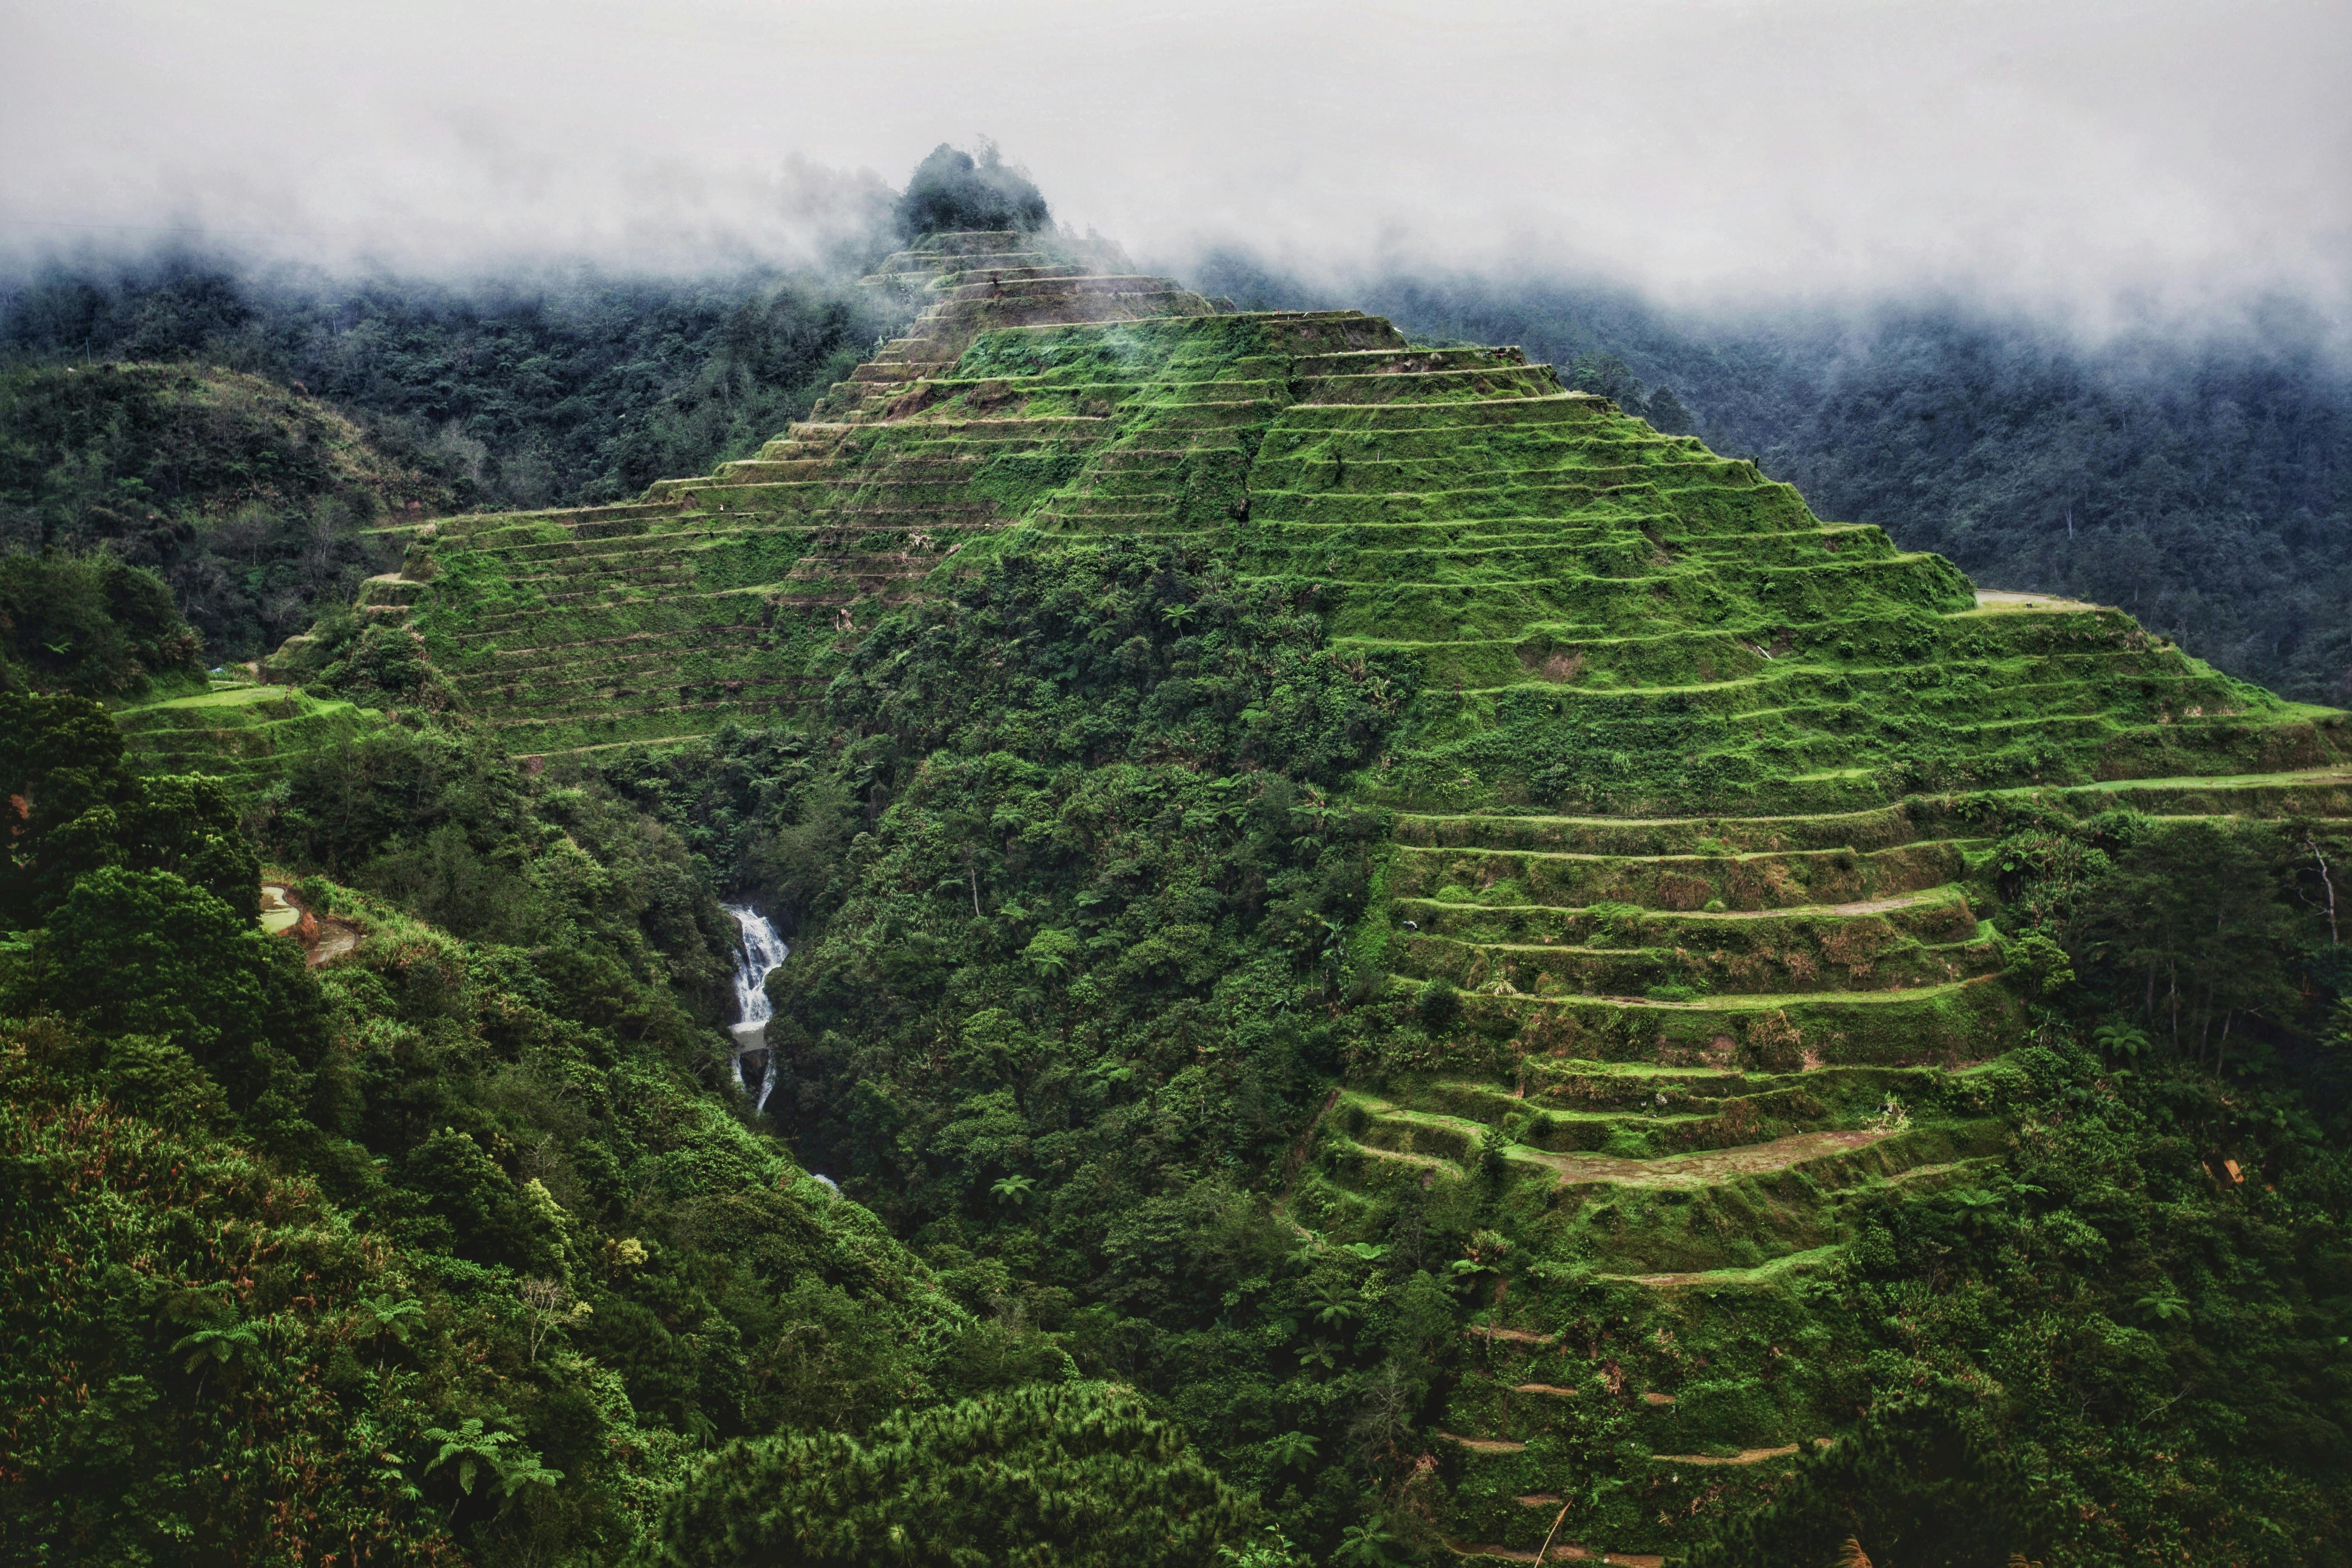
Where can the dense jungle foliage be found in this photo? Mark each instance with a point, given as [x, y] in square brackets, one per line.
[247, 498]
[84, 622]
[453, 1247]
[574, 388]
[952, 189]
[447, 1249]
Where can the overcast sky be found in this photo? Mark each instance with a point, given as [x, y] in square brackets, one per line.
[2047, 153]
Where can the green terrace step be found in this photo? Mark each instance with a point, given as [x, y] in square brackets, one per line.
[593, 711]
[1530, 408]
[1403, 362]
[1877, 827]
[1332, 470]
[390, 591]
[1653, 1087]
[536, 624]
[667, 642]
[1766, 879]
[1597, 548]
[1744, 640]
[618, 546]
[1608, 524]
[1781, 766]
[1387, 388]
[553, 743]
[1605, 605]
[629, 663]
[1934, 916]
[1763, 1277]
[2323, 791]
[1796, 713]
[1766, 1117]
[1797, 689]
[1947, 1024]
[711, 676]
[1828, 1159]
[242, 732]
[1835, 955]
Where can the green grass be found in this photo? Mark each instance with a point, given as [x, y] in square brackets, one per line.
[244, 731]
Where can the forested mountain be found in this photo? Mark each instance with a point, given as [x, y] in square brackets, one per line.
[517, 392]
[249, 487]
[1389, 963]
[2203, 485]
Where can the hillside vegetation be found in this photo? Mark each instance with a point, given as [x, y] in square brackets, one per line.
[528, 392]
[443, 1247]
[252, 502]
[1391, 962]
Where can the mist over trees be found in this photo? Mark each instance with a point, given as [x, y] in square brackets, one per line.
[953, 190]
[247, 487]
[520, 391]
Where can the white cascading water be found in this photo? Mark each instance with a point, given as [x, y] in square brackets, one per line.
[764, 949]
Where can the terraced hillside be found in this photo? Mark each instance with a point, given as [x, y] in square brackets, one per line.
[238, 729]
[716, 599]
[1691, 809]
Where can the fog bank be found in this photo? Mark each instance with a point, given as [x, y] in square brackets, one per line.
[2164, 156]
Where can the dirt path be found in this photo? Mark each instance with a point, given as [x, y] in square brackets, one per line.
[1864, 907]
[1567, 1552]
[1709, 1168]
[2001, 599]
[1745, 1456]
[1762, 1274]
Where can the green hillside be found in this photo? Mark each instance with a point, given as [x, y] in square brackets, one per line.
[1477, 960]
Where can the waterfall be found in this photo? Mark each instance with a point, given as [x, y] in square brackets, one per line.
[763, 950]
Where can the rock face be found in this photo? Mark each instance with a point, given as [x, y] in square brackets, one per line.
[1685, 807]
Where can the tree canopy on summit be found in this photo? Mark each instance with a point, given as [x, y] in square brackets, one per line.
[951, 190]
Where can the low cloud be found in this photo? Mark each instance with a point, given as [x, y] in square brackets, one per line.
[2159, 155]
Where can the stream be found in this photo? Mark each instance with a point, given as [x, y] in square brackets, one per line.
[763, 950]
